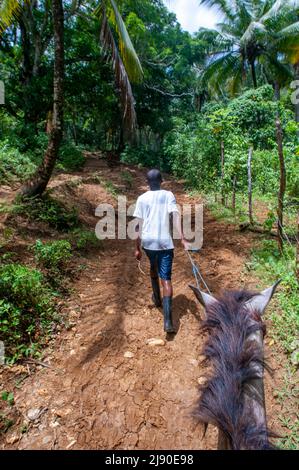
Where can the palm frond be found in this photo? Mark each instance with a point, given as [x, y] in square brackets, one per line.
[234, 84]
[278, 9]
[121, 77]
[126, 48]
[291, 30]
[273, 10]
[9, 10]
[282, 72]
[216, 40]
[255, 29]
[220, 68]
[223, 6]
[287, 41]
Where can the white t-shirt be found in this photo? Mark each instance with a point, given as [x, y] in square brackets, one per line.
[154, 207]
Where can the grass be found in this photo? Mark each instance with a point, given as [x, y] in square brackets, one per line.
[288, 419]
[226, 213]
[269, 265]
[127, 178]
[264, 211]
[48, 210]
[111, 188]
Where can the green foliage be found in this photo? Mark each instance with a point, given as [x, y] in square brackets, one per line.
[5, 423]
[70, 158]
[193, 149]
[53, 255]
[26, 309]
[84, 239]
[193, 153]
[8, 397]
[254, 113]
[270, 221]
[271, 266]
[48, 210]
[143, 155]
[13, 164]
[127, 178]
[111, 188]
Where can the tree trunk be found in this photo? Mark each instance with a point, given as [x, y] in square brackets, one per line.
[282, 170]
[253, 74]
[38, 183]
[121, 141]
[234, 195]
[282, 183]
[297, 251]
[222, 173]
[296, 66]
[26, 71]
[250, 186]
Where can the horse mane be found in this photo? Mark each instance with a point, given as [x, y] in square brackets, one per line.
[229, 324]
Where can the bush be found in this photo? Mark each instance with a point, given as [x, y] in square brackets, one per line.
[127, 178]
[70, 157]
[14, 165]
[46, 209]
[84, 239]
[145, 156]
[26, 309]
[53, 255]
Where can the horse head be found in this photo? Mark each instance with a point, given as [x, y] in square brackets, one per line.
[233, 396]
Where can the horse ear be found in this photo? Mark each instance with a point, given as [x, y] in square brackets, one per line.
[260, 301]
[205, 299]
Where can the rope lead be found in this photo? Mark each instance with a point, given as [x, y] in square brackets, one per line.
[197, 274]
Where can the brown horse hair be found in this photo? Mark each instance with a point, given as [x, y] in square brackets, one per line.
[233, 358]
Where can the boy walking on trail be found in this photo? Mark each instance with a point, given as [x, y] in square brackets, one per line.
[153, 209]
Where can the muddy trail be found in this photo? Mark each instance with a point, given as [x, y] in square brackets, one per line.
[114, 379]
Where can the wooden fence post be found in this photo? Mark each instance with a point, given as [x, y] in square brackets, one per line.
[250, 185]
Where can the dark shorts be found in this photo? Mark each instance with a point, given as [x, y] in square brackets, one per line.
[161, 261]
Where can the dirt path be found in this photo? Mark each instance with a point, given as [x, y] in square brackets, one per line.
[109, 388]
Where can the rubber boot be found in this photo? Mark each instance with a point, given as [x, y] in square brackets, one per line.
[156, 291]
[167, 310]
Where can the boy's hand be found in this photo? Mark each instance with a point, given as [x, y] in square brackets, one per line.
[138, 254]
[185, 244]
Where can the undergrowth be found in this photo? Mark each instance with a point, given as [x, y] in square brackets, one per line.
[48, 210]
[27, 310]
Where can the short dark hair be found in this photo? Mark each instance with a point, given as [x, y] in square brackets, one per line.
[154, 177]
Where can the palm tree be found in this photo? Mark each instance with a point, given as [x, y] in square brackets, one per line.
[126, 66]
[9, 10]
[257, 33]
[250, 38]
[287, 42]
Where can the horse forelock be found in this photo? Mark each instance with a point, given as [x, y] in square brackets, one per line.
[230, 306]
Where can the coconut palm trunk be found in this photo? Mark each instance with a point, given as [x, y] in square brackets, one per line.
[39, 181]
[297, 250]
[253, 73]
[282, 171]
[296, 67]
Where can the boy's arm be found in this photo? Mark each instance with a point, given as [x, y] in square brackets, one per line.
[138, 213]
[178, 225]
[176, 217]
[138, 251]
